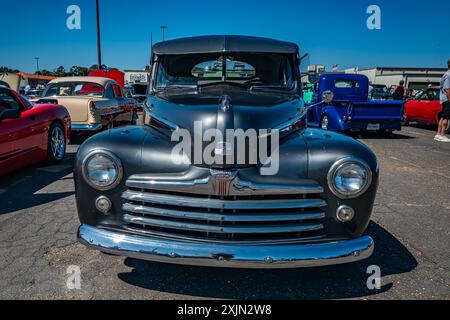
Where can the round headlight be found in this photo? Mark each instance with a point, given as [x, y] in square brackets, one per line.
[102, 170]
[349, 178]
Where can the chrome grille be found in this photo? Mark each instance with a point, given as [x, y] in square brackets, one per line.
[189, 212]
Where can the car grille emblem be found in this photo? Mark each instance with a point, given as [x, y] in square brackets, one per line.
[222, 181]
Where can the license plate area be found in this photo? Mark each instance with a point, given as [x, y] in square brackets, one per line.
[373, 127]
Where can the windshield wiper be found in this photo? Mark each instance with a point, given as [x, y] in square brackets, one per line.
[237, 84]
[178, 87]
[271, 87]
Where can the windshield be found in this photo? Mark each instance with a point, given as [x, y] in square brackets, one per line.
[248, 69]
[380, 89]
[429, 95]
[70, 89]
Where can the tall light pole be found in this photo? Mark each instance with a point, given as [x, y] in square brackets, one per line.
[99, 48]
[163, 28]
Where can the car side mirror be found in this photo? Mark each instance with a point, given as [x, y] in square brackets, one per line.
[9, 114]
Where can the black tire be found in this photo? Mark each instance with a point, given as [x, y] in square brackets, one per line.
[324, 122]
[56, 147]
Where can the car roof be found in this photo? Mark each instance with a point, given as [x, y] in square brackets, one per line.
[98, 80]
[224, 43]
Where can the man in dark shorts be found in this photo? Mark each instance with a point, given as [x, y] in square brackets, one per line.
[399, 92]
[445, 101]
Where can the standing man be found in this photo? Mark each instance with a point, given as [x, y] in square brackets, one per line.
[445, 101]
[399, 92]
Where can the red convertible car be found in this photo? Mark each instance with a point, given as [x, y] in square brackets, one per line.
[425, 108]
[30, 133]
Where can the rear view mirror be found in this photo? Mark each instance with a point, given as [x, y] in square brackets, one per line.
[9, 114]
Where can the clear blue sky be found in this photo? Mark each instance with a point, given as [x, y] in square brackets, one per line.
[414, 33]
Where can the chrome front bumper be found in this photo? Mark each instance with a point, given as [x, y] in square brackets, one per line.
[86, 127]
[223, 255]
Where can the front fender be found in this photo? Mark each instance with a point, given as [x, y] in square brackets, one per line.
[335, 116]
[325, 148]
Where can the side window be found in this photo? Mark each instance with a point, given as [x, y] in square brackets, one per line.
[346, 84]
[8, 101]
[118, 91]
[109, 93]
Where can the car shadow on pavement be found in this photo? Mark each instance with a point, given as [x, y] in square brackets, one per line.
[23, 189]
[374, 136]
[333, 282]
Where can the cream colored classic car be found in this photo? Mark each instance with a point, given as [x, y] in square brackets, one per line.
[94, 103]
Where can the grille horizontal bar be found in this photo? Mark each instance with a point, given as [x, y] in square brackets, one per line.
[221, 217]
[204, 186]
[201, 227]
[164, 199]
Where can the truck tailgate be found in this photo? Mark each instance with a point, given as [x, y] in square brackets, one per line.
[377, 109]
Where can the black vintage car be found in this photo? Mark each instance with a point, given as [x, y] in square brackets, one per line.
[137, 197]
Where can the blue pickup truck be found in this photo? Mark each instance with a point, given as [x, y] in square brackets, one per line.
[350, 108]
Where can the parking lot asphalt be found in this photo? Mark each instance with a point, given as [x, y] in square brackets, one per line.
[410, 226]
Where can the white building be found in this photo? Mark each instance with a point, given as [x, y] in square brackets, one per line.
[415, 78]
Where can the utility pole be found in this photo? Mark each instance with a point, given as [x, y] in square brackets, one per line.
[37, 64]
[151, 47]
[37, 68]
[163, 28]
[99, 48]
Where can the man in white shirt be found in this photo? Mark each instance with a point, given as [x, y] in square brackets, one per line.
[445, 101]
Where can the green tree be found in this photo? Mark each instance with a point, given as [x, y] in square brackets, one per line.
[95, 67]
[44, 72]
[6, 70]
[60, 72]
[78, 71]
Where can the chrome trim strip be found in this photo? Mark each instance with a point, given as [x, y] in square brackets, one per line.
[220, 217]
[234, 256]
[243, 187]
[221, 204]
[170, 125]
[86, 127]
[252, 242]
[288, 125]
[205, 186]
[239, 229]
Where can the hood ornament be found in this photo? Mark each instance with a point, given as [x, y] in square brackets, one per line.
[225, 103]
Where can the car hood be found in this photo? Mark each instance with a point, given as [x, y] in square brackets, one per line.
[245, 110]
[199, 112]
